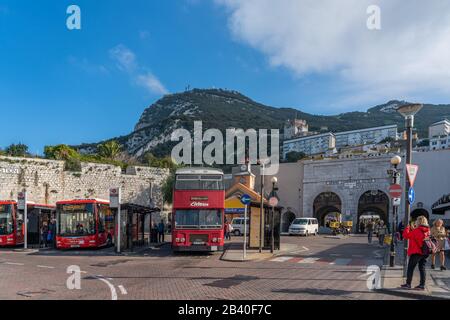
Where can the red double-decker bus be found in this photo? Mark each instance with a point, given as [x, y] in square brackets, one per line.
[12, 231]
[198, 210]
[85, 223]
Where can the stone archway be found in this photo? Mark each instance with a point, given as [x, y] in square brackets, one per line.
[286, 220]
[374, 203]
[325, 204]
[419, 212]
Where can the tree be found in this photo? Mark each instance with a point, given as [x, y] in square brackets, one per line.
[109, 150]
[295, 156]
[61, 152]
[17, 150]
[167, 188]
[156, 162]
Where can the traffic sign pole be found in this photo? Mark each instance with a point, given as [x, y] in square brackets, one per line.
[245, 232]
[245, 200]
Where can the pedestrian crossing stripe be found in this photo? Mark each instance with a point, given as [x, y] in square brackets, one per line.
[281, 259]
[308, 260]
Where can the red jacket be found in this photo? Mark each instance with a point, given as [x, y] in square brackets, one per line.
[416, 238]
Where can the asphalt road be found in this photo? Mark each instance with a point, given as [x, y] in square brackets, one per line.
[319, 268]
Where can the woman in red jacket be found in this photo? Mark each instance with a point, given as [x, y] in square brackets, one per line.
[416, 233]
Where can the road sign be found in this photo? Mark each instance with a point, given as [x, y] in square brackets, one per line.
[21, 200]
[396, 202]
[245, 199]
[114, 198]
[273, 201]
[395, 191]
[412, 170]
[411, 196]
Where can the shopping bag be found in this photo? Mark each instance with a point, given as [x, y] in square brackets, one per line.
[388, 239]
[446, 244]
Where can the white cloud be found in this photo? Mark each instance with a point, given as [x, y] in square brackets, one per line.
[151, 83]
[408, 57]
[126, 61]
[124, 57]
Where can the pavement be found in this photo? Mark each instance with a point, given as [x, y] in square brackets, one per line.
[437, 282]
[312, 268]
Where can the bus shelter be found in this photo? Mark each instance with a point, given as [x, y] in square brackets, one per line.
[137, 224]
[40, 218]
[271, 220]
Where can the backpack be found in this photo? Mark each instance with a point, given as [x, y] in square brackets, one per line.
[428, 247]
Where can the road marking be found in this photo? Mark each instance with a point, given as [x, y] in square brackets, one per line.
[281, 259]
[341, 262]
[308, 260]
[122, 290]
[45, 267]
[110, 285]
[14, 264]
[377, 254]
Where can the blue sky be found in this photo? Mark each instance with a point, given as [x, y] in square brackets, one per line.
[62, 86]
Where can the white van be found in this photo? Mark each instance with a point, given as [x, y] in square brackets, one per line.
[304, 226]
[238, 226]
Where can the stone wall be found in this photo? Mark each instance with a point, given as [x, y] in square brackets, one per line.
[47, 182]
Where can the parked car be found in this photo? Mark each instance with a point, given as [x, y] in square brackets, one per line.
[304, 226]
[238, 226]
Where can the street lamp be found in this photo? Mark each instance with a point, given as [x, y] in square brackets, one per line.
[408, 111]
[395, 161]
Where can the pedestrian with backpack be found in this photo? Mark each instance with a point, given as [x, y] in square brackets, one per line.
[419, 248]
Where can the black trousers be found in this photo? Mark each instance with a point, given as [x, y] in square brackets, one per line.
[160, 236]
[414, 260]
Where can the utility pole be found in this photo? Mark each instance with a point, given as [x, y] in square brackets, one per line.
[408, 112]
[261, 225]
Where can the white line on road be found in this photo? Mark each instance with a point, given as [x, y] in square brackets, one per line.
[309, 260]
[110, 285]
[122, 290]
[45, 267]
[14, 264]
[281, 259]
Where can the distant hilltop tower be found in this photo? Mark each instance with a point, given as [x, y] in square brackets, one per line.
[295, 128]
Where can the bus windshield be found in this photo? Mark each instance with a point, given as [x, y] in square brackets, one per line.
[76, 219]
[198, 219]
[6, 220]
[195, 182]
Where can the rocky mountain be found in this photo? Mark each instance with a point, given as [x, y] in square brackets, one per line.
[224, 109]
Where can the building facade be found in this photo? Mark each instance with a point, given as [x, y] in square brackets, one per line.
[310, 145]
[365, 136]
[323, 143]
[359, 185]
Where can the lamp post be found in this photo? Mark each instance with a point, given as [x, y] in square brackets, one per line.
[408, 111]
[395, 161]
[272, 224]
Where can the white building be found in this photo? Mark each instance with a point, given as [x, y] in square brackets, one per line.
[441, 128]
[365, 136]
[323, 143]
[439, 135]
[310, 145]
[295, 128]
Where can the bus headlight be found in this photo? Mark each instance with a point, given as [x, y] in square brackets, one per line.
[215, 240]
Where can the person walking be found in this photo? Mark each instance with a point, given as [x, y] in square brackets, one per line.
[369, 229]
[52, 231]
[44, 234]
[381, 232]
[361, 227]
[416, 233]
[228, 229]
[439, 236]
[401, 228]
[161, 230]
